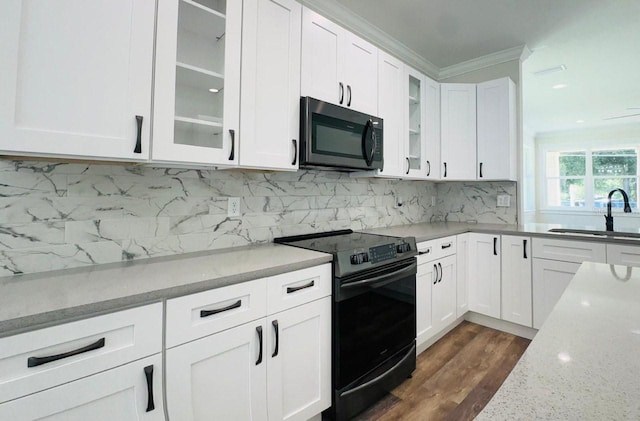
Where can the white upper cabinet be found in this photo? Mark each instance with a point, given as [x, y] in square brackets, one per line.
[270, 97]
[337, 66]
[431, 130]
[197, 82]
[76, 78]
[458, 131]
[497, 147]
[390, 109]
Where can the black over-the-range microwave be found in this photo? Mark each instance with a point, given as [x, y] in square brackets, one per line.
[334, 137]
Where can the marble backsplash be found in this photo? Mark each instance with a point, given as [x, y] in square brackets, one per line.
[64, 215]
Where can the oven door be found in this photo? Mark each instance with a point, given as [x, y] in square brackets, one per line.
[334, 136]
[375, 319]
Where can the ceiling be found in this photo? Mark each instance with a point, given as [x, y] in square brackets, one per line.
[597, 40]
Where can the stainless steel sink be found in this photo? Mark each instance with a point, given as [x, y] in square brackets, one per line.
[596, 233]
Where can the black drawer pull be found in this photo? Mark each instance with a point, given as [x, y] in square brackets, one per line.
[524, 248]
[446, 246]
[207, 313]
[495, 246]
[427, 251]
[148, 373]
[259, 330]
[275, 327]
[36, 361]
[138, 148]
[435, 270]
[294, 289]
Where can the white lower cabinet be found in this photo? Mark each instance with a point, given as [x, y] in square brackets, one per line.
[298, 358]
[619, 254]
[484, 274]
[444, 293]
[550, 279]
[462, 274]
[130, 392]
[436, 285]
[276, 366]
[222, 375]
[516, 280]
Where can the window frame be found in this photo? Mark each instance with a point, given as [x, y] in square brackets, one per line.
[588, 147]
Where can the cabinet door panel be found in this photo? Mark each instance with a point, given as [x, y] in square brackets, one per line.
[320, 70]
[444, 294]
[497, 130]
[117, 394]
[197, 83]
[270, 84]
[60, 96]
[424, 282]
[516, 280]
[390, 109]
[458, 130]
[299, 376]
[484, 274]
[218, 375]
[618, 254]
[360, 74]
[550, 279]
[431, 130]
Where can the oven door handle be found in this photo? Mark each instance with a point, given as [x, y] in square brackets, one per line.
[382, 279]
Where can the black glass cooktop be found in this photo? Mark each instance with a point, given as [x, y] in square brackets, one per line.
[337, 241]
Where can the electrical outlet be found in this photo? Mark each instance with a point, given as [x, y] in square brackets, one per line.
[504, 201]
[233, 206]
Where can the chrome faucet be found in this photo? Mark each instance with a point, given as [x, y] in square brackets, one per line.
[627, 209]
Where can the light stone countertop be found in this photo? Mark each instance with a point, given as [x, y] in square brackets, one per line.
[37, 300]
[584, 363]
[430, 231]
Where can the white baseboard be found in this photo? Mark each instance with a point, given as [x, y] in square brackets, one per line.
[512, 328]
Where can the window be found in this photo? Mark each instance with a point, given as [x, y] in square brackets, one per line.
[583, 178]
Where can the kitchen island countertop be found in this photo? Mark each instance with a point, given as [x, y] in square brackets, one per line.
[584, 363]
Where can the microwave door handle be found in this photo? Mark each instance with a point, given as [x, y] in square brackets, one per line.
[365, 154]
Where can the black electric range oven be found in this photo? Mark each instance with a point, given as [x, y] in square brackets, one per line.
[373, 314]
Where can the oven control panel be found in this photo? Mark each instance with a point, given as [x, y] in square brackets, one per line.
[382, 253]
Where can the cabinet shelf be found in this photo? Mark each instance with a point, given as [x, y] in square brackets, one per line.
[414, 131]
[198, 77]
[199, 121]
[202, 20]
[414, 100]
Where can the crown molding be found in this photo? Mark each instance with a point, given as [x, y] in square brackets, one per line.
[514, 53]
[345, 17]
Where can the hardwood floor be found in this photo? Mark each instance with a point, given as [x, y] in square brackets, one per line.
[455, 378]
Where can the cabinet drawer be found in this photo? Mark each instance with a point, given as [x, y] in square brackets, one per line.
[569, 251]
[618, 254]
[295, 288]
[198, 315]
[77, 349]
[436, 249]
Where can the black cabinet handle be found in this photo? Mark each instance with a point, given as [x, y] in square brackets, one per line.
[207, 313]
[232, 155]
[435, 269]
[445, 246]
[440, 267]
[428, 168]
[349, 93]
[495, 246]
[259, 330]
[36, 361]
[138, 148]
[445, 169]
[481, 170]
[427, 251]
[341, 92]
[295, 152]
[294, 289]
[524, 249]
[148, 372]
[408, 165]
[275, 327]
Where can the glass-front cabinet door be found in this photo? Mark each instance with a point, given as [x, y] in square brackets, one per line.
[414, 149]
[197, 82]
